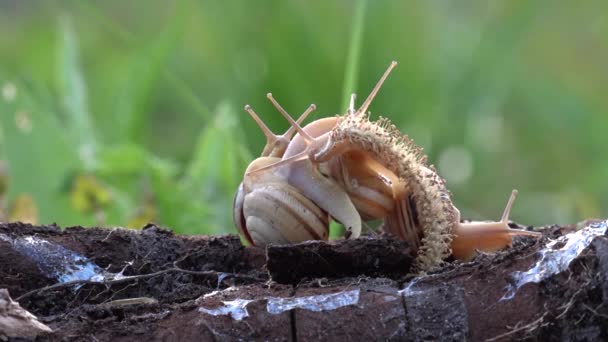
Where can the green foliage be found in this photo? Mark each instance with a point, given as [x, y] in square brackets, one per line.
[120, 113]
[39, 155]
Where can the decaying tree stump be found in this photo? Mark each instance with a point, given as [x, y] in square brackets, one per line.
[117, 284]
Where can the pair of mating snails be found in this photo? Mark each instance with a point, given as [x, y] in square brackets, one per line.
[352, 169]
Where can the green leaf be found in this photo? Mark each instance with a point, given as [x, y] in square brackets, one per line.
[180, 208]
[132, 169]
[134, 173]
[217, 166]
[125, 159]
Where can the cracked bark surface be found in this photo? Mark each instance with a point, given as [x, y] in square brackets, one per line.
[340, 291]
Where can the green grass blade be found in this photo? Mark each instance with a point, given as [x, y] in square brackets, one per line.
[73, 93]
[353, 57]
[351, 74]
[146, 69]
[182, 88]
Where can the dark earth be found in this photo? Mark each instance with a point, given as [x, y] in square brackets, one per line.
[154, 285]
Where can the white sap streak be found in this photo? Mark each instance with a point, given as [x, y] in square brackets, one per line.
[409, 289]
[316, 303]
[224, 291]
[553, 261]
[237, 309]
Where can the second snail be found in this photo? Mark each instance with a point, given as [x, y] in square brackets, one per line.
[352, 169]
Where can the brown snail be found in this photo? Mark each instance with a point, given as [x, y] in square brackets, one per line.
[350, 168]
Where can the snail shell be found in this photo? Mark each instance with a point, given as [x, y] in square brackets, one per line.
[270, 210]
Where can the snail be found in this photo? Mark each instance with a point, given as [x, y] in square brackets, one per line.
[352, 169]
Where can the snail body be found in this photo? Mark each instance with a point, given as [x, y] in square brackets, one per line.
[351, 169]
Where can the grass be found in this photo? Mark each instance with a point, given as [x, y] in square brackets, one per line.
[120, 114]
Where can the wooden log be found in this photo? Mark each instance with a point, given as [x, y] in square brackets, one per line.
[368, 256]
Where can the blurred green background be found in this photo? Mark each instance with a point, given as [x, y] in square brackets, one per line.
[120, 113]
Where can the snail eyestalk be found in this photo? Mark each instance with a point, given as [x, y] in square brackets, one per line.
[471, 237]
[271, 138]
[283, 112]
[276, 144]
[311, 144]
[294, 125]
[371, 95]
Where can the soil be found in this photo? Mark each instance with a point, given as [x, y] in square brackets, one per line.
[154, 285]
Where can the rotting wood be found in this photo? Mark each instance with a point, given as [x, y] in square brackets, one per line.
[368, 256]
[462, 301]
